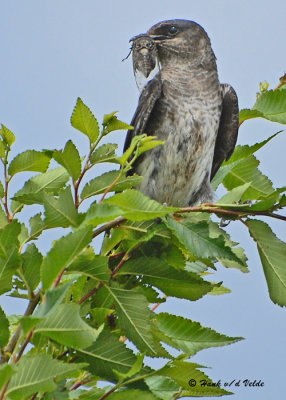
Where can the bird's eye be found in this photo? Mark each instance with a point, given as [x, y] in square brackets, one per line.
[173, 30]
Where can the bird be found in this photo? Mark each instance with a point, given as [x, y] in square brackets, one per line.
[186, 107]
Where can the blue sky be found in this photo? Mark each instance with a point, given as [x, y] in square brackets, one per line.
[51, 52]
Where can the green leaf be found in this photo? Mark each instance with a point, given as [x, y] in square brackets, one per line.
[32, 260]
[134, 318]
[182, 372]
[163, 387]
[272, 104]
[133, 394]
[61, 211]
[112, 123]
[133, 145]
[105, 153]
[37, 226]
[136, 367]
[101, 212]
[190, 336]
[63, 254]
[272, 253]
[244, 172]
[101, 183]
[37, 374]
[91, 265]
[29, 160]
[196, 239]
[171, 281]
[234, 195]
[240, 153]
[3, 217]
[51, 181]
[9, 256]
[2, 148]
[65, 326]
[54, 297]
[69, 158]
[246, 113]
[83, 120]
[4, 329]
[6, 371]
[7, 135]
[137, 207]
[106, 355]
[2, 191]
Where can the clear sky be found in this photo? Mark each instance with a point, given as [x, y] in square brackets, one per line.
[52, 51]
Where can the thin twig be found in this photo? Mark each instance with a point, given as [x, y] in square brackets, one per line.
[110, 186]
[25, 344]
[11, 345]
[108, 226]
[91, 293]
[108, 393]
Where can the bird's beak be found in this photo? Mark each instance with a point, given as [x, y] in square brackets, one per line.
[157, 38]
[138, 36]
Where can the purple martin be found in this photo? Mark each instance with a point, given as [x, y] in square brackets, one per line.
[185, 106]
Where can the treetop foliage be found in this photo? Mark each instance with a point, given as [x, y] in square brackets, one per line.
[84, 306]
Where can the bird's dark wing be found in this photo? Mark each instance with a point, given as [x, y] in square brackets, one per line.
[228, 128]
[147, 100]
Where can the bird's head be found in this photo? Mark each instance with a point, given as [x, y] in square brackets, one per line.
[183, 40]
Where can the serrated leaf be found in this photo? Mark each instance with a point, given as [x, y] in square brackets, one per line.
[169, 280]
[112, 123]
[272, 104]
[246, 113]
[37, 226]
[29, 160]
[240, 152]
[65, 326]
[182, 372]
[60, 211]
[134, 143]
[137, 207]
[133, 314]
[32, 260]
[234, 195]
[133, 394]
[9, 255]
[163, 387]
[7, 135]
[69, 158]
[54, 297]
[106, 355]
[272, 253]
[105, 153]
[50, 181]
[101, 183]
[4, 329]
[37, 374]
[101, 212]
[83, 120]
[2, 191]
[6, 371]
[63, 254]
[91, 265]
[190, 336]
[244, 172]
[3, 217]
[2, 148]
[196, 239]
